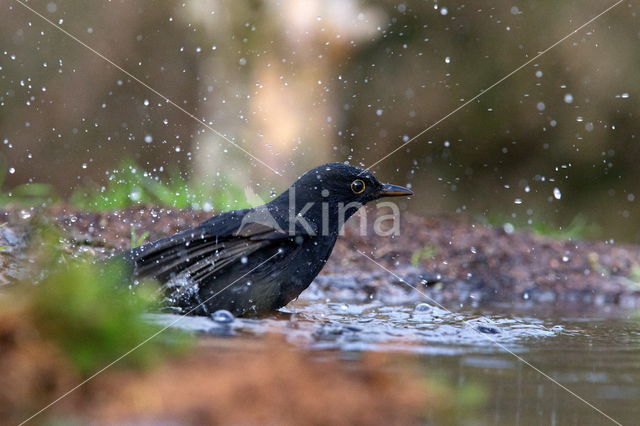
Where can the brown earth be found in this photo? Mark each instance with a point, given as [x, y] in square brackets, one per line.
[261, 381]
[462, 261]
[267, 380]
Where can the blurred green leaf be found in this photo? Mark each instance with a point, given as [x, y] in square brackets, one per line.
[130, 185]
[88, 311]
[27, 194]
[578, 228]
[424, 253]
[137, 240]
[34, 190]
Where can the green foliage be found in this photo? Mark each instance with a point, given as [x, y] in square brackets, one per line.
[27, 194]
[130, 185]
[424, 253]
[86, 310]
[578, 228]
[137, 240]
[634, 276]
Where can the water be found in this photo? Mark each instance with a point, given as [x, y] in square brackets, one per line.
[596, 355]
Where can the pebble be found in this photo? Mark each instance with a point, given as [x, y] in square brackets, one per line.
[488, 329]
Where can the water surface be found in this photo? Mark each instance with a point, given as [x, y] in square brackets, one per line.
[594, 354]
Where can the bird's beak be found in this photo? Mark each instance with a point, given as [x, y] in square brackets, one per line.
[394, 191]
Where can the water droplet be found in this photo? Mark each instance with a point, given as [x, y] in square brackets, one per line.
[222, 316]
[557, 194]
[568, 98]
[422, 307]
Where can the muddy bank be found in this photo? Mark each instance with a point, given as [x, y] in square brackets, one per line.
[450, 259]
[279, 384]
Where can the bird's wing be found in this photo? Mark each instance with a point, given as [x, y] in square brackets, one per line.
[205, 249]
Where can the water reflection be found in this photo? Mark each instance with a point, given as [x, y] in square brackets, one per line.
[596, 357]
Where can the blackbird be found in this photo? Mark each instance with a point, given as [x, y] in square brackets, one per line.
[254, 261]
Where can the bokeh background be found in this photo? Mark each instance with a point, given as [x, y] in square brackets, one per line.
[301, 82]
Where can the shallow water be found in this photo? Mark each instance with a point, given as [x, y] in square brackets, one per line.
[597, 356]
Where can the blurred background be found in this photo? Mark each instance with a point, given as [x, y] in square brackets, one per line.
[301, 82]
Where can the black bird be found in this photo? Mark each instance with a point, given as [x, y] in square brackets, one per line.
[257, 260]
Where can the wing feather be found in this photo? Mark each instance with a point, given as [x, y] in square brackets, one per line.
[202, 251]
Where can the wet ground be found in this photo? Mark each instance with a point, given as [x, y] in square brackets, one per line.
[476, 305]
[595, 355]
[449, 258]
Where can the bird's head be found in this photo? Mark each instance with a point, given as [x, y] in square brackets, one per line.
[337, 186]
[339, 182]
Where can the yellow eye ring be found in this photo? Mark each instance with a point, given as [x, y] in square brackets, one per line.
[358, 186]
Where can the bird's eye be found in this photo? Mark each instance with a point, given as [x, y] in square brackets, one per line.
[358, 186]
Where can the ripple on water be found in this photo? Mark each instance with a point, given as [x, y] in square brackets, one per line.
[373, 326]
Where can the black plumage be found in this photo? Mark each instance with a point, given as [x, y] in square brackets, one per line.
[257, 260]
